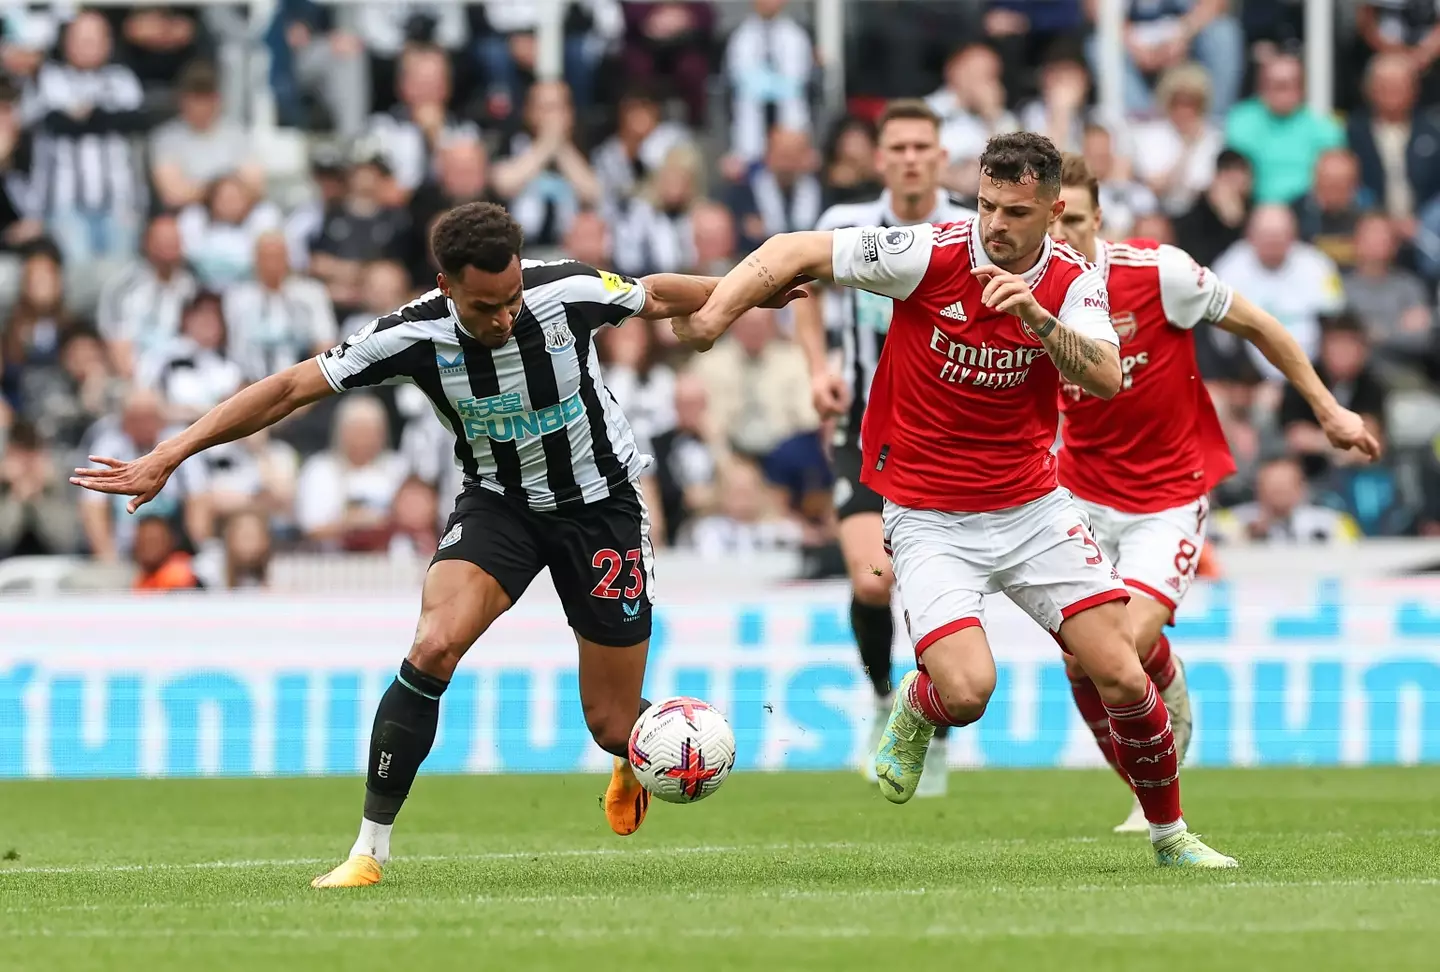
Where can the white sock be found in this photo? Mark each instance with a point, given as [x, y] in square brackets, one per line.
[374, 840]
[1159, 832]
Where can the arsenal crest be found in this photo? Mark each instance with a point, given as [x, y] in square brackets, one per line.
[1125, 326]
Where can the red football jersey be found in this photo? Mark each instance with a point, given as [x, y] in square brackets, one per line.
[1158, 444]
[964, 405]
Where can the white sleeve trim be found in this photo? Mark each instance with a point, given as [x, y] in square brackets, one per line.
[325, 370]
[1086, 308]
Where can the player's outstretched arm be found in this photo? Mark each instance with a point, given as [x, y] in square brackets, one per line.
[249, 410]
[1344, 428]
[780, 263]
[1092, 364]
[680, 295]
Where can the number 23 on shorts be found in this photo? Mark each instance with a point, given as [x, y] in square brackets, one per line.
[611, 561]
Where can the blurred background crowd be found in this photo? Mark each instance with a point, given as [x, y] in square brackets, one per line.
[157, 255]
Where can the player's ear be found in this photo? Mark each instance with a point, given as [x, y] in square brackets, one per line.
[1099, 217]
[1057, 208]
[442, 283]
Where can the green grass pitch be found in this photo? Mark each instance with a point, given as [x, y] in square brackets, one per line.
[777, 872]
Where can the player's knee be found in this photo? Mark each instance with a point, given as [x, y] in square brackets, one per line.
[1072, 668]
[1119, 680]
[872, 587]
[965, 698]
[436, 654]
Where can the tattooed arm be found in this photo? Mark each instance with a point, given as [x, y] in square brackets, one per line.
[1093, 365]
[779, 261]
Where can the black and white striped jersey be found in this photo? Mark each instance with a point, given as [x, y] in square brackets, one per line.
[84, 121]
[858, 320]
[532, 419]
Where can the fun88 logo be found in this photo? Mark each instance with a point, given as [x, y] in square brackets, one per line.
[501, 418]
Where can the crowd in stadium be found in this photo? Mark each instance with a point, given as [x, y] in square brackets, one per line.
[155, 261]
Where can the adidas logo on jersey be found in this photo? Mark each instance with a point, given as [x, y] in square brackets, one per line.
[955, 312]
[452, 537]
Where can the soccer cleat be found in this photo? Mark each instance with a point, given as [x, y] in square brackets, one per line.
[625, 800]
[1136, 822]
[1177, 702]
[1188, 850]
[359, 871]
[877, 729]
[935, 781]
[900, 760]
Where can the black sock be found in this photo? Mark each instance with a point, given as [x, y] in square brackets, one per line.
[874, 628]
[644, 706]
[404, 731]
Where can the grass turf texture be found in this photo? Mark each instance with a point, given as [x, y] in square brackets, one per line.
[1015, 870]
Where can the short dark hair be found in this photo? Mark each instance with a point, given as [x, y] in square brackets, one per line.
[907, 109]
[478, 234]
[1075, 172]
[1018, 157]
[1231, 159]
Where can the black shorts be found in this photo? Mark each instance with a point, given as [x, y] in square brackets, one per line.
[851, 495]
[599, 556]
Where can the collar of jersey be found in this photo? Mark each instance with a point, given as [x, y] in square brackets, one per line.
[936, 215]
[979, 258]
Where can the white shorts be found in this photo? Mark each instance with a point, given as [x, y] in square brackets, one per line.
[1040, 554]
[1156, 553]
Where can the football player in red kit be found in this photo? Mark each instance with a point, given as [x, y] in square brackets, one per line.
[989, 314]
[1142, 464]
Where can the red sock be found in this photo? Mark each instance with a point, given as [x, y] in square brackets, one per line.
[1145, 749]
[1092, 710]
[924, 698]
[1160, 665]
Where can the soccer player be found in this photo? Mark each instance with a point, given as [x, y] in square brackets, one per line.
[504, 350]
[910, 160]
[989, 313]
[1143, 464]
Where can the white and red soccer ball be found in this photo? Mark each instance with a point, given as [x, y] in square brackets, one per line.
[682, 749]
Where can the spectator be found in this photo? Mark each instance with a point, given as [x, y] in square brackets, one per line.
[191, 371]
[158, 41]
[39, 322]
[163, 565]
[462, 175]
[1369, 493]
[65, 401]
[386, 286]
[1122, 198]
[347, 490]
[850, 174]
[1396, 140]
[247, 551]
[783, 196]
[1059, 112]
[1328, 214]
[643, 387]
[971, 107]
[1282, 512]
[255, 473]
[1218, 217]
[280, 317]
[190, 152]
[684, 464]
[218, 235]
[140, 306]
[1273, 27]
[1026, 32]
[19, 212]
[1344, 366]
[362, 226]
[641, 142]
[1154, 226]
[747, 522]
[545, 176]
[392, 32]
[1160, 34]
[30, 34]
[758, 389]
[86, 108]
[37, 508]
[653, 233]
[412, 131]
[138, 429]
[328, 171]
[1279, 133]
[412, 534]
[315, 57]
[716, 242]
[1175, 154]
[1429, 515]
[506, 46]
[1391, 301]
[1291, 280]
[1401, 27]
[588, 239]
[768, 65]
[672, 41]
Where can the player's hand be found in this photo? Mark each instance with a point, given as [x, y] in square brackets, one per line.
[141, 479]
[830, 394]
[794, 290]
[689, 329]
[1008, 292]
[1346, 430]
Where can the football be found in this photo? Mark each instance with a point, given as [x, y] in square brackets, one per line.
[682, 749]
